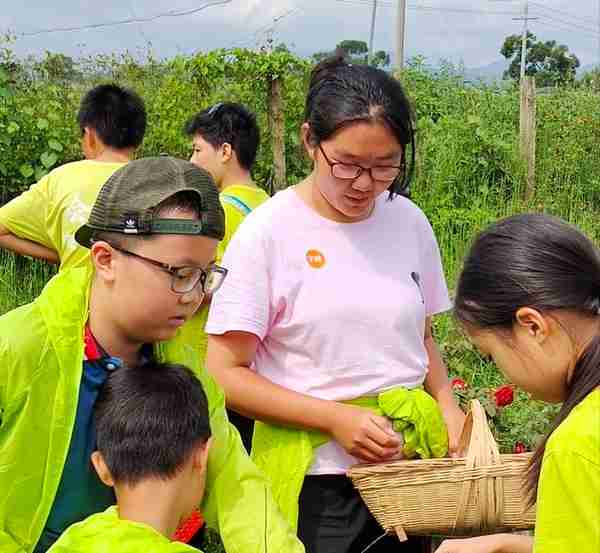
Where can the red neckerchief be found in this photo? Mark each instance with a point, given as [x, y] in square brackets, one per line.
[189, 527]
[92, 349]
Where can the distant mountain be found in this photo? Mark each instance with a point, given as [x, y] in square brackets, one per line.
[586, 69]
[486, 73]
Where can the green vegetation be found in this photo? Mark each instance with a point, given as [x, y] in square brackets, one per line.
[468, 169]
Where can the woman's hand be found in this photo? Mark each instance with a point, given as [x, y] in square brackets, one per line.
[454, 418]
[363, 434]
[496, 543]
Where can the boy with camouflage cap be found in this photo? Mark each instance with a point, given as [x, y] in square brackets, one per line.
[152, 234]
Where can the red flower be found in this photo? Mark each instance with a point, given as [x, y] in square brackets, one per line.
[504, 396]
[458, 384]
[520, 447]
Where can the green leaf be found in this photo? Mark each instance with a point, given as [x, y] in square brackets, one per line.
[55, 145]
[12, 128]
[42, 124]
[26, 170]
[48, 159]
[40, 172]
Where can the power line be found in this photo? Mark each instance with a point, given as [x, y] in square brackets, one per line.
[419, 7]
[573, 25]
[265, 28]
[172, 13]
[585, 34]
[563, 13]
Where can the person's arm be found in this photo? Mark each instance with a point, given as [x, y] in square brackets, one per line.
[438, 386]
[9, 241]
[359, 431]
[495, 543]
[23, 223]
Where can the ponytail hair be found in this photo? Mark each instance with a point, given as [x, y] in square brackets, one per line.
[541, 262]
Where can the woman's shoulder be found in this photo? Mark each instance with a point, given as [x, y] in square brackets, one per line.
[401, 209]
[266, 220]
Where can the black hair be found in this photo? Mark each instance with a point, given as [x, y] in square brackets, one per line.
[536, 261]
[231, 123]
[341, 94]
[149, 420]
[117, 114]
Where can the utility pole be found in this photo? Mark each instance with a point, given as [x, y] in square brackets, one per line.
[526, 19]
[400, 34]
[372, 35]
[524, 39]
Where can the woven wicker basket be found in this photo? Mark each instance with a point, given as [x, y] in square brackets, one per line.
[480, 493]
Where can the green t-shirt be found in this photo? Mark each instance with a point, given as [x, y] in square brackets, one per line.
[568, 503]
[107, 532]
[252, 197]
[52, 209]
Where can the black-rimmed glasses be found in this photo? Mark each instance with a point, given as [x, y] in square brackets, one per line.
[351, 171]
[185, 278]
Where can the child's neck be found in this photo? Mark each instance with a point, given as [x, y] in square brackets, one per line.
[109, 155]
[108, 335]
[237, 176]
[156, 503]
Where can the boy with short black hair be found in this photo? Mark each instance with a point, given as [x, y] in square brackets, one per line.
[152, 236]
[42, 221]
[153, 437]
[225, 140]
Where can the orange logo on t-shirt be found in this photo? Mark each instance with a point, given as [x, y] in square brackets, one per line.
[315, 259]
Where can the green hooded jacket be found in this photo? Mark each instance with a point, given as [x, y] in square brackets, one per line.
[41, 356]
[105, 531]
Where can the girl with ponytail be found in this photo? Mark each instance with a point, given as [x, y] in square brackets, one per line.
[529, 296]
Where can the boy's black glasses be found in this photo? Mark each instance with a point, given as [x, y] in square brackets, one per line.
[184, 279]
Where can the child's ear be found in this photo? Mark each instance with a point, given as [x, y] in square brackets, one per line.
[101, 469]
[201, 455]
[102, 254]
[226, 152]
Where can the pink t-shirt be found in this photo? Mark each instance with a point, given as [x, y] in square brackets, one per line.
[339, 308]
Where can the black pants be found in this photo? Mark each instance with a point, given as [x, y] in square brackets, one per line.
[245, 427]
[334, 519]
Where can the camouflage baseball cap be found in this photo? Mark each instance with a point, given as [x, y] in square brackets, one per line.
[127, 202]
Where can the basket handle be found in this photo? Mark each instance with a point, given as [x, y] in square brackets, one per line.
[481, 450]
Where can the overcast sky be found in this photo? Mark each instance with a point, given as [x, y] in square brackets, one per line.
[469, 37]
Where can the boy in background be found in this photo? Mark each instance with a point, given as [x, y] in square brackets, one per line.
[225, 140]
[42, 221]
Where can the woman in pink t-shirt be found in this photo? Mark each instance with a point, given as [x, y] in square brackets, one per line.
[329, 297]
